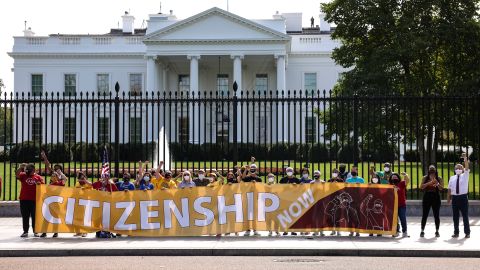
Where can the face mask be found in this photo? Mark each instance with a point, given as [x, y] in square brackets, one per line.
[271, 180]
[354, 174]
[396, 181]
[146, 178]
[431, 172]
[458, 172]
[386, 169]
[342, 170]
[253, 170]
[201, 176]
[375, 180]
[186, 177]
[305, 175]
[316, 176]
[126, 179]
[289, 173]
[334, 175]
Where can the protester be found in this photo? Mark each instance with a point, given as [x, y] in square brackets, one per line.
[271, 181]
[289, 179]
[335, 177]
[231, 179]
[458, 197]
[401, 184]
[125, 184]
[305, 176]
[29, 180]
[375, 178]
[343, 172]
[317, 180]
[201, 181]
[431, 185]
[250, 175]
[355, 178]
[186, 180]
[165, 182]
[105, 184]
[383, 176]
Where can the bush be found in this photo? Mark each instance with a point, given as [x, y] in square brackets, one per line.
[4, 156]
[57, 153]
[345, 154]
[85, 152]
[25, 152]
[411, 156]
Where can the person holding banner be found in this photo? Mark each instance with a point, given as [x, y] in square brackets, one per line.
[400, 186]
[271, 181]
[355, 178]
[458, 197]
[200, 181]
[431, 185]
[82, 183]
[343, 172]
[165, 182]
[186, 180]
[289, 179]
[305, 176]
[125, 185]
[105, 184]
[335, 177]
[29, 180]
[383, 176]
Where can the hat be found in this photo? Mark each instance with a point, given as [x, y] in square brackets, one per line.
[253, 166]
[317, 172]
[386, 164]
[289, 169]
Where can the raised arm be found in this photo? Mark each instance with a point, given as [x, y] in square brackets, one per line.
[159, 168]
[48, 166]
[406, 178]
[465, 161]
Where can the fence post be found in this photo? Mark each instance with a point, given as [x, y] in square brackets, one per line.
[117, 129]
[235, 124]
[355, 130]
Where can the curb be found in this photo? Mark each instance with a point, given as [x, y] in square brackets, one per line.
[240, 252]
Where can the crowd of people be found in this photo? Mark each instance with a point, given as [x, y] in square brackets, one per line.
[160, 179]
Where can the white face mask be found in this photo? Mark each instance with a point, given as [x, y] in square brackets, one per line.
[334, 175]
[305, 175]
[458, 172]
[201, 176]
[386, 169]
[289, 173]
[186, 177]
[271, 180]
[375, 180]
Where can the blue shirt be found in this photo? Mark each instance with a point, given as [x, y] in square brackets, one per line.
[125, 186]
[355, 179]
[145, 187]
[185, 184]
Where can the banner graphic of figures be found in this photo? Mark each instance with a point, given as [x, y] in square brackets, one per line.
[220, 209]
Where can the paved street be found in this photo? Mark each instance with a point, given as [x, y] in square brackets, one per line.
[242, 263]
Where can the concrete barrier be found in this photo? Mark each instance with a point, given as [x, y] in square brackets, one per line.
[414, 209]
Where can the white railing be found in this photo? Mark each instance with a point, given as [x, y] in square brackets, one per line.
[70, 40]
[36, 40]
[134, 40]
[310, 40]
[102, 40]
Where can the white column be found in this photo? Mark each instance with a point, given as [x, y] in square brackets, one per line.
[165, 78]
[151, 73]
[282, 128]
[237, 77]
[194, 87]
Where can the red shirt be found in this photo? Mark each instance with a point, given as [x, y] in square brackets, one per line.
[28, 191]
[402, 194]
[109, 187]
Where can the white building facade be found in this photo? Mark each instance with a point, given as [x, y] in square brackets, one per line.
[206, 52]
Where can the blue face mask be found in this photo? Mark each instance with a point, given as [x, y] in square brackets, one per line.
[146, 178]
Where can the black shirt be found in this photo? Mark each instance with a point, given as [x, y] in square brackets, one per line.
[286, 180]
[336, 180]
[201, 183]
[251, 178]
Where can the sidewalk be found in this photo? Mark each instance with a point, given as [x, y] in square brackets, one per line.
[67, 245]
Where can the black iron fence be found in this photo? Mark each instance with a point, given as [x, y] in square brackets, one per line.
[217, 130]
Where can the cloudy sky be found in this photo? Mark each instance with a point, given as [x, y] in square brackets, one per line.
[98, 16]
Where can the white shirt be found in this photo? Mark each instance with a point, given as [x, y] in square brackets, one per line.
[463, 188]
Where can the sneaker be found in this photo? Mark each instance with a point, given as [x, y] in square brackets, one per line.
[333, 233]
[293, 233]
[236, 234]
[277, 234]
[437, 234]
[270, 234]
[395, 235]
[357, 234]
[379, 235]
[422, 234]
[371, 235]
[247, 233]
[350, 234]
[36, 235]
[285, 233]
[405, 235]
[227, 234]
[302, 234]
[24, 235]
[55, 235]
[315, 234]
[77, 235]
[322, 234]
[255, 233]
[455, 235]
[467, 235]
[339, 234]
[84, 235]
[43, 235]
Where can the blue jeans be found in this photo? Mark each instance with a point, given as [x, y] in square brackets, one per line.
[402, 215]
[460, 204]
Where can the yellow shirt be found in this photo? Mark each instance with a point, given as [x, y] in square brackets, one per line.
[85, 186]
[162, 183]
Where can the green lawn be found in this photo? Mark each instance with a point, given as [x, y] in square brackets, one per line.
[11, 187]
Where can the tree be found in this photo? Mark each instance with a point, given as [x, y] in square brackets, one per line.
[427, 48]
[5, 118]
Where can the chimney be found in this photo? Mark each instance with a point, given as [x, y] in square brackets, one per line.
[324, 25]
[127, 23]
[28, 32]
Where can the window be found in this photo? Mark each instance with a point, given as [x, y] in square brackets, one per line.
[103, 84]
[69, 129]
[184, 132]
[222, 84]
[136, 84]
[103, 130]
[310, 129]
[70, 84]
[261, 82]
[184, 83]
[310, 82]
[37, 129]
[135, 129]
[37, 84]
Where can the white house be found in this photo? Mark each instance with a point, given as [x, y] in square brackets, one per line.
[206, 52]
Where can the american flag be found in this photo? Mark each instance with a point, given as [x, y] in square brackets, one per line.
[105, 166]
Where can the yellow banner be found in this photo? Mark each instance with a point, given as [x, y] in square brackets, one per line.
[221, 209]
